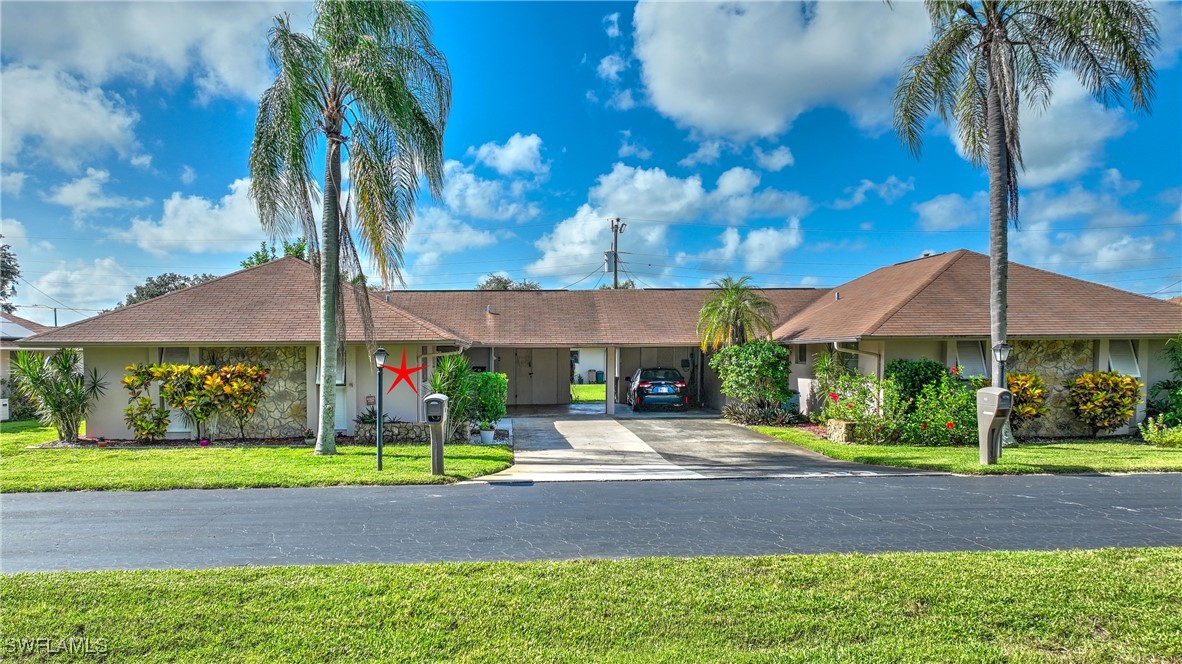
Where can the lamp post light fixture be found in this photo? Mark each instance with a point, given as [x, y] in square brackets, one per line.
[379, 358]
[1001, 353]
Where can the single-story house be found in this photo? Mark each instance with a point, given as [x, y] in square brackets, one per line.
[13, 328]
[937, 307]
[933, 307]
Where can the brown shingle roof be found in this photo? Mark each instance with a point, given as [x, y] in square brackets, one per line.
[947, 295]
[636, 317]
[272, 303]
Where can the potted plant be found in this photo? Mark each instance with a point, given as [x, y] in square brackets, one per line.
[309, 437]
[487, 431]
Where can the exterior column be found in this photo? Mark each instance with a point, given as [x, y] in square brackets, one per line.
[609, 379]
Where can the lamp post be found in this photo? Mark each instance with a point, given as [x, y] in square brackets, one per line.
[379, 358]
[1001, 353]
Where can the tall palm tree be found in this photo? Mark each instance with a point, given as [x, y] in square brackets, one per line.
[984, 56]
[368, 82]
[734, 314]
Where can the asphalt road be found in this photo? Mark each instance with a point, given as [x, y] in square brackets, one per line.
[127, 530]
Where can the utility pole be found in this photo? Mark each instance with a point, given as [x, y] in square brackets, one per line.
[614, 258]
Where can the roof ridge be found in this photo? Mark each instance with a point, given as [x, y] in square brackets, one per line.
[953, 257]
[158, 298]
[442, 331]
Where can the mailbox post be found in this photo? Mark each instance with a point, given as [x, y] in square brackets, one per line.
[436, 407]
[993, 411]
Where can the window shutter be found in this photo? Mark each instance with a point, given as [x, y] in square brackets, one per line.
[1122, 358]
[970, 355]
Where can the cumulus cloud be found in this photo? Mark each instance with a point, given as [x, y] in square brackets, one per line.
[467, 194]
[436, 234]
[746, 70]
[16, 236]
[86, 122]
[221, 45]
[775, 160]
[12, 182]
[622, 100]
[888, 190]
[189, 176]
[708, 152]
[760, 249]
[611, 25]
[95, 284]
[198, 225]
[85, 196]
[651, 194]
[951, 211]
[518, 154]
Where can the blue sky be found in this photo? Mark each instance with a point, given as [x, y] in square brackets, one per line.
[732, 139]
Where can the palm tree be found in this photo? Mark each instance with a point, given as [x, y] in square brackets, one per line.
[984, 56]
[369, 81]
[734, 314]
[61, 389]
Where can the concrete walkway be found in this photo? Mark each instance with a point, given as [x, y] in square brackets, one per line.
[599, 448]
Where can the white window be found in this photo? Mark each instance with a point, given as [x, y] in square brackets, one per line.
[341, 364]
[1122, 358]
[970, 356]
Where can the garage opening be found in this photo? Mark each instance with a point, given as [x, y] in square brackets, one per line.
[588, 375]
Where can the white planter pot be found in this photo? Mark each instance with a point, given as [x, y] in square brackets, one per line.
[486, 437]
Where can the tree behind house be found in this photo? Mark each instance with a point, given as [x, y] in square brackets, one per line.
[163, 284]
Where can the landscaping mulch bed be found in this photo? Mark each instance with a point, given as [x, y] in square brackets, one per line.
[501, 438]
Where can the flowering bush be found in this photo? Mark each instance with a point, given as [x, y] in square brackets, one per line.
[874, 406]
[1155, 431]
[912, 376]
[945, 413]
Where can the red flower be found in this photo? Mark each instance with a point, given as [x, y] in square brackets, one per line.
[954, 371]
[951, 425]
[923, 426]
[849, 405]
[833, 395]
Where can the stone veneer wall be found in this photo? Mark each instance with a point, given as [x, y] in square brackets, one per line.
[283, 411]
[1056, 362]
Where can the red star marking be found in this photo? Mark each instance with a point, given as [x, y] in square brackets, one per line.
[403, 373]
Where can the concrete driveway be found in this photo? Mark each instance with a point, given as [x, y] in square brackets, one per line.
[564, 449]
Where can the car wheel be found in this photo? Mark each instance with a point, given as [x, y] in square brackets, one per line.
[636, 405]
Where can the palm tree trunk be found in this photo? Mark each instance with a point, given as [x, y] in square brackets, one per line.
[330, 248]
[999, 196]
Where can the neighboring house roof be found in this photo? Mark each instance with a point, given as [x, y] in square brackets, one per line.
[540, 318]
[272, 303]
[1177, 300]
[947, 295]
[14, 327]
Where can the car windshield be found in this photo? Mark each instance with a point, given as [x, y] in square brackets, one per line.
[660, 374]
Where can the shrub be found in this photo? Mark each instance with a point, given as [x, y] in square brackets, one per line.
[60, 387]
[1165, 397]
[453, 378]
[1156, 432]
[874, 406]
[945, 413]
[20, 406]
[146, 421]
[755, 373]
[1104, 399]
[1030, 396]
[911, 376]
[490, 392]
[197, 391]
[241, 389]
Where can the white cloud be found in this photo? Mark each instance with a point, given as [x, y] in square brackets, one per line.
[650, 195]
[98, 284]
[1113, 181]
[469, 195]
[85, 196]
[436, 234]
[759, 250]
[630, 149]
[1069, 138]
[221, 45]
[193, 224]
[888, 190]
[775, 160]
[189, 176]
[708, 152]
[85, 121]
[12, 182]
[143, 161]
[951, 211]
[611, 24]
[610, 67]
[748, 70]
[16, 236]
[622, 100]
[518, 154]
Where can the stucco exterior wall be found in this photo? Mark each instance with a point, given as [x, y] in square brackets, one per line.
[590, 359]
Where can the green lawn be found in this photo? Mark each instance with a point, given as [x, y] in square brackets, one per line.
[588, 393]
[1078, 606]
[1065, 457]
[213, 467]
